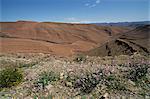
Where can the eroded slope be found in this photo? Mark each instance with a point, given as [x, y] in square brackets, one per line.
[128, 43]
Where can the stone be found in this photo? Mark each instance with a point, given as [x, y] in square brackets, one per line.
[106, 95]
[49, 87]
[68, 84]
[131, 82]
[61, 75]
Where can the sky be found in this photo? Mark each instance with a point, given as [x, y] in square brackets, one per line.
[75, 11]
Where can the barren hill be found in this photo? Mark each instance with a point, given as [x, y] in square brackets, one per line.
[55, 38]
[128, 43]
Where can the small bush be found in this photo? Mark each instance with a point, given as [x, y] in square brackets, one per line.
[138, 72]
[113, 83]
[89, 82]
[80, 58]
[46, 78]
[31, 64]
[71, 79]
[10, 77]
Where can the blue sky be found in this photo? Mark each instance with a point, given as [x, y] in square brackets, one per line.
[77, 11]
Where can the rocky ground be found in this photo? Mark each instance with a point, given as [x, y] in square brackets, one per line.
[78, 77]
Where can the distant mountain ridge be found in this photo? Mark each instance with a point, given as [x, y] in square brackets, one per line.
[125, 24]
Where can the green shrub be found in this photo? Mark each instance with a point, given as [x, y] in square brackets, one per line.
[113, 83]
[46, 78]
[83, 97]
[87, 83]
[138, 72]
[10, 77]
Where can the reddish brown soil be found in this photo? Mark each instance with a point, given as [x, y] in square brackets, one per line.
[54, 38]
[134, 41]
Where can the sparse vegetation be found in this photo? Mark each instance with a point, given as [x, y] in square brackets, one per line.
[89, 82]
[46, 78]
[113, 83]
[22, 65]
[137, 72]
[80, 58]
[93, 78]
[17, 63]
[10, 77]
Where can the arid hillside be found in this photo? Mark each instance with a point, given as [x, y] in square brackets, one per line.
[53, 38]
[51, 77]
[136, 40]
